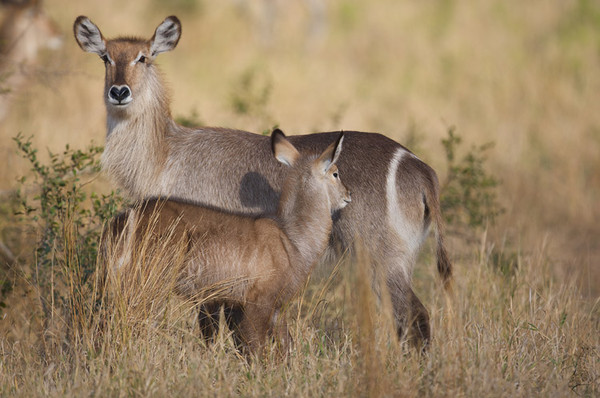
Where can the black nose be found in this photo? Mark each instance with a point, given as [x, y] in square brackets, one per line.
[119, 93]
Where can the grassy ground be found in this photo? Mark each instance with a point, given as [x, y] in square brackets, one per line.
[524, 319]
[520, 334]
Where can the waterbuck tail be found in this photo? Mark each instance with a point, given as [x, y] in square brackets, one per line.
[444, 265]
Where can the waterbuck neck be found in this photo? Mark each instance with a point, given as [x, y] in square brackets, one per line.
[304, 213]
[136, 148]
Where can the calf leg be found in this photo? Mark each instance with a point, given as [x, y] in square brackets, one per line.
[208, 319]
[280, 332]
[256, 324]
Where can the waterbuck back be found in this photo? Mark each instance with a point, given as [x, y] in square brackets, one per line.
[148, 155]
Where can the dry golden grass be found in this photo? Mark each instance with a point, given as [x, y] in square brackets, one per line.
[523, 75]
[500, 335]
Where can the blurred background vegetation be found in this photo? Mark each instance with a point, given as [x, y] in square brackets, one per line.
[500, 97]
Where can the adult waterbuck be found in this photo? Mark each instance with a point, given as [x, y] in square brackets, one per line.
[268, 258]
[396, 195]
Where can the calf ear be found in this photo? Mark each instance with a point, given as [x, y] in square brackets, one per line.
[283, 150]
[330, 156]
[88, 36]
[166, 36]
[338, 148]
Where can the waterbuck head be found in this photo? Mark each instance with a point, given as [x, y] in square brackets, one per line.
[131, 76]
[309, 177]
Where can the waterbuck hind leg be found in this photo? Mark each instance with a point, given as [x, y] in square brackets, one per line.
[412, 318]
[420, 331]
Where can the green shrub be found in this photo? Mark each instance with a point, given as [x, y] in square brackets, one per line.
[468, 195]
[66, 219]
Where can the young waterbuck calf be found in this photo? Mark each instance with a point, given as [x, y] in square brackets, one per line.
[148, 155]
[269, 257]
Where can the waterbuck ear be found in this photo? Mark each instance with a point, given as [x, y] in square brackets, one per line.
[330, 156]
[166, 36]
[283, 150]
[88, 36]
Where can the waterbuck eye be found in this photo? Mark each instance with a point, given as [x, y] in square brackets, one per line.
[104, 58]
[142, 59]
[335, 175]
